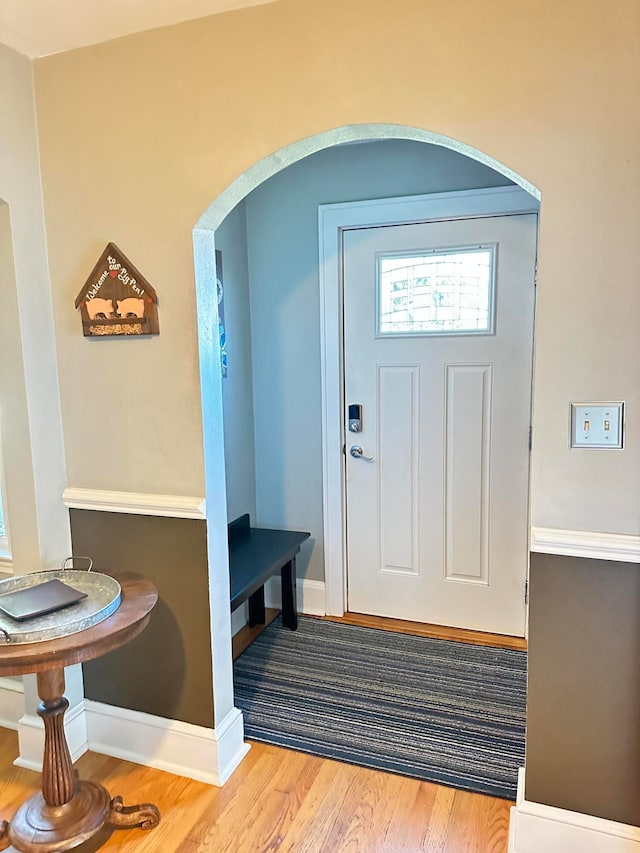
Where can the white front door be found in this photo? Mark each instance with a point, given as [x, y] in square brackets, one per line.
[438, 338]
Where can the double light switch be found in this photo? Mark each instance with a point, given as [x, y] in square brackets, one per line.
[596, 424]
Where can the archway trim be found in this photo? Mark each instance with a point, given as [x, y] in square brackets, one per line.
[274, 163]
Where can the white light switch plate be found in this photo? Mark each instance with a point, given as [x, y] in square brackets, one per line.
[597, 425]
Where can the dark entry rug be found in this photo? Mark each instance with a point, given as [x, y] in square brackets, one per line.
[437, 710]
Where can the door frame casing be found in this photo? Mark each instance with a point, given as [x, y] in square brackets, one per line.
[333, 219]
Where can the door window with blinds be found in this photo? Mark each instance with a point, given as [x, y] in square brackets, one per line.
[437, 292]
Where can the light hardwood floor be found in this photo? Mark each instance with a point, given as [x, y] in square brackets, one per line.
[438, 632]
[280, 800]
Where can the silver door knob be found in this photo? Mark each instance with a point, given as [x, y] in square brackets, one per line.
[357, 452]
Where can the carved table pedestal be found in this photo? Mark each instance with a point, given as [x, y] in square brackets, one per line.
[68, 811]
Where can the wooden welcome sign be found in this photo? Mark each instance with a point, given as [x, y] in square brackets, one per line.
[117, 299]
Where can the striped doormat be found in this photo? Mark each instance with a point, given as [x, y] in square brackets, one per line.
[441, 711]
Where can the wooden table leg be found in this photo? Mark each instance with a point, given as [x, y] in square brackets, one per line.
[289, 595]
[67, 811]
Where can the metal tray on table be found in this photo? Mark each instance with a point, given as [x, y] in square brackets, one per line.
[103, 596]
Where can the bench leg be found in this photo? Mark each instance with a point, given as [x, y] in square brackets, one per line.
[257, 615]
[289, 602]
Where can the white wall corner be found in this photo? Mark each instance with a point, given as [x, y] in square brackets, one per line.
[231, 744]
[206, 755]
[11, 703]
[592, 545]
[310, 595]
[536, 828]
[31, 737]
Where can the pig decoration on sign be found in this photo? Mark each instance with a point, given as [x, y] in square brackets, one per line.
[130, 307]
[98, 307]
[116, 299]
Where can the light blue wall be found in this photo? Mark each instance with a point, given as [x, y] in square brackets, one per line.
[237, 389]
[282, 232]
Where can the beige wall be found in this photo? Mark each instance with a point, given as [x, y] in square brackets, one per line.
[30, 423]
[139, 135]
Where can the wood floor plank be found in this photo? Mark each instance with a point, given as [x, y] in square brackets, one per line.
[317, 817]
[497, 815]
[436, 840]
[220, 799]
[353, 829]
[464, 828]
[437, 632]
[281, 801]
[410, 808]
[415, 831]
[232, 810]
[394, 810]
[477, 824]
[272, 816]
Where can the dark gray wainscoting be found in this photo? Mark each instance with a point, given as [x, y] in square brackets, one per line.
[165, 671]
[583, 715]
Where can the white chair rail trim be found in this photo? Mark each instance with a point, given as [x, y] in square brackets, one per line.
[135, 503]
[585, 543]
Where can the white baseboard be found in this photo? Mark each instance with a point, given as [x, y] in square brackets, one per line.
[232, 747]
[11, 703]
[536, 828]
[135, 503]
[239, 618]
[31, 737]
[207, 755]
[311, 595]
[585, 543]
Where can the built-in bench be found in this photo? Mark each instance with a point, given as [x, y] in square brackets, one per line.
[255, 554]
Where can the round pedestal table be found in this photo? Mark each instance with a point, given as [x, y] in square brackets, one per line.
[68, 811]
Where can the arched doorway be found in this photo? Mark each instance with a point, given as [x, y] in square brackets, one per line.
[204, 247]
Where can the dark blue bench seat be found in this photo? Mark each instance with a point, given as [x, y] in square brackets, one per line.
[255, 554]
